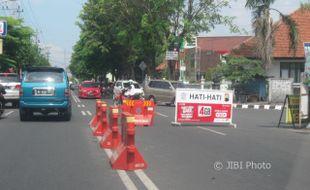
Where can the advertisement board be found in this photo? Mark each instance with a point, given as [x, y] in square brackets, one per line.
[203, 106]
[292, 114]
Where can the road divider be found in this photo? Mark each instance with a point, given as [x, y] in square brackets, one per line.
[126, 156]
[102, 124]
[93, 123]
[111, 138]
[142, 110]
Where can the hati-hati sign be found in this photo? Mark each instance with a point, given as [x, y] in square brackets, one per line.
[203, 106]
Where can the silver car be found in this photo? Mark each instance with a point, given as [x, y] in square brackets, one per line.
[162, 91]
[11, 83]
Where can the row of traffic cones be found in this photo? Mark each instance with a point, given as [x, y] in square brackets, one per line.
[105, 123]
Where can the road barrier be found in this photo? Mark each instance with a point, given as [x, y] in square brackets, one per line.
[111, 137]
[126, 156]
[143, 111]
[103, 123]
[93, 123]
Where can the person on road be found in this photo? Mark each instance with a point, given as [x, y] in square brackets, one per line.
[131, 89]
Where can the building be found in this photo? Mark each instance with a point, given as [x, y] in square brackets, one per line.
[208, 53]
[287, 63]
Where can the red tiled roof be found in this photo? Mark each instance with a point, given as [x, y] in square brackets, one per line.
[281, 39]
[220, 43]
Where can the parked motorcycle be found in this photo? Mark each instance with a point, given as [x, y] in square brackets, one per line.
[2, 101]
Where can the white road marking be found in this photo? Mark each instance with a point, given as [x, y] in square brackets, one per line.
[161, 114]
[74, 98]
[122, 174]
[213, 131]
[83, 105]
[7, 114]
[78, 105]
[88, 112]
[83, 113]
[146, 180]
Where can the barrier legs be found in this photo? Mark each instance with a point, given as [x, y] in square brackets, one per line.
[126, 155]
[103, 123]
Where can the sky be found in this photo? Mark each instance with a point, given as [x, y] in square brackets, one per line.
[55, 22]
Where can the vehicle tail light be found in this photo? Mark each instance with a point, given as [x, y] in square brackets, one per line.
[21, 92]
[17, 86]
[67, 92]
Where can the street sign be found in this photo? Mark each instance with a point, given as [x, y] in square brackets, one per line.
[203, 106]
[3, 28]
[142, 66]
[172, 55]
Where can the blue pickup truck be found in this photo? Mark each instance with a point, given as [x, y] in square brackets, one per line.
[45, 90]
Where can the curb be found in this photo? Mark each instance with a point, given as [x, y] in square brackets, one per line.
[253, 106]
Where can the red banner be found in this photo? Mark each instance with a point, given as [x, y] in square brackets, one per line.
[198, 112]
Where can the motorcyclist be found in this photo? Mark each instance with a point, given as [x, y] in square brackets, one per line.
[131, 89]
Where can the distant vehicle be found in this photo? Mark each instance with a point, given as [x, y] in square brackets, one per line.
[162, 91]
[45, 90]
[122, 85]
[89, 89]
[74, 86]
[11, 83]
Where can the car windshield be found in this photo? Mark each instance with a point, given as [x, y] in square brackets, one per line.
[8, 78]
[136, 85]
[91, 85]
[44, 76]
[178, 85]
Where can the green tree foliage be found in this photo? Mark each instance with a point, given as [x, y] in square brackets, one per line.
[264, 28]
[240, 69]
[125, 33]
[18, 47]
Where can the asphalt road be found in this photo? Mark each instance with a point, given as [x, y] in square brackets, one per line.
[47, 153]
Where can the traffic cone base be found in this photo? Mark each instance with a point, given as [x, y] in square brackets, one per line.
[127, 159]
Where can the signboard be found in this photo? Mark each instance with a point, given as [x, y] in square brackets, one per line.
[172, 55]
[142, 66]
[3, 28]
[307, 63]
[279, 88]
[292, 113]
[203, 105]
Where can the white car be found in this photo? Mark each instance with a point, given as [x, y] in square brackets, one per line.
[120, 85]
[11, 83]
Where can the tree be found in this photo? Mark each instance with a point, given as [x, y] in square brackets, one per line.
[240, 69]
[18, 47]
[126, 33]
[264, 28]
[194, 16]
